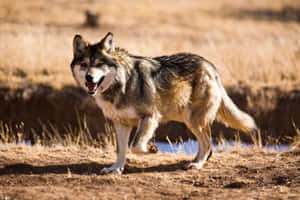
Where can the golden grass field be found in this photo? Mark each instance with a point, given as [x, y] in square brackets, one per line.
[251, 42]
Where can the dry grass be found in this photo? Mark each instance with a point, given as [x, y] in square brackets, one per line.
[79, 136]
[35, 37]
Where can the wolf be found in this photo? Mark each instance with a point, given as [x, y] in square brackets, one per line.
[135, 91]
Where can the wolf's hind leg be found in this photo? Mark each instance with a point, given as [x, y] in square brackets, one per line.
[123, 133]
[200, 115]
[204, 147]
[144, 133]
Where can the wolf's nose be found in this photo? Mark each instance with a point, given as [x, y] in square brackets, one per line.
[88, 78]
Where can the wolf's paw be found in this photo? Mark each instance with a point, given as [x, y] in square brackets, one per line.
[152, 148]
[193, 165]
[112, 170]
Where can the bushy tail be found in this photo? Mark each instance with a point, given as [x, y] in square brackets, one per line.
[232, 116]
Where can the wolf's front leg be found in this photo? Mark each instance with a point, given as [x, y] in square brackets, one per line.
[123, 133]
[144, 133]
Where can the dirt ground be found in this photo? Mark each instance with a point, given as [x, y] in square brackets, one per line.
[254, 44]
[68, 173]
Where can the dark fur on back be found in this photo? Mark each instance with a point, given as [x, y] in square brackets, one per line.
[182, 66]
[163, 70]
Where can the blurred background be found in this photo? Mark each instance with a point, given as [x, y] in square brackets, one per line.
[254, 44]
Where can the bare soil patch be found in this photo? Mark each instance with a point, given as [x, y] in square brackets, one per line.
[67, 173]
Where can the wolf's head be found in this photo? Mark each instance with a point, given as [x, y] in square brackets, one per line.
[94, 65]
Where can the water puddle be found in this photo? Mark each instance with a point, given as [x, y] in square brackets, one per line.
[190, 147]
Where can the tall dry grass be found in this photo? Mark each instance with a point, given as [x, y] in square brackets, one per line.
[35, 37]
[50, 136]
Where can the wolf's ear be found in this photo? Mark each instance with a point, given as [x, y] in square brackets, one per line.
[107, 43]
[79, 45]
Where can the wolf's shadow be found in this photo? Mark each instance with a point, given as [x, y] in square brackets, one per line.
[83, 169]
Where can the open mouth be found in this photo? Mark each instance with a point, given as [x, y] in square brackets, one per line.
[92, 87]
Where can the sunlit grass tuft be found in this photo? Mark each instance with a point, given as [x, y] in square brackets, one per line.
[78, 135]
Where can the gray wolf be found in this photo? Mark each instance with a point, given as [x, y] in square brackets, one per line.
[136, 91]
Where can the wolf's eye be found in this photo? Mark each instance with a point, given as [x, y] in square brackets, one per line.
[83, 65]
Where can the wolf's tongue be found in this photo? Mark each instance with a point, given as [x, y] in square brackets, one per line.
[92, 86]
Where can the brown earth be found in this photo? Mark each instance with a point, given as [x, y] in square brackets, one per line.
[40, 108]
[67, 173]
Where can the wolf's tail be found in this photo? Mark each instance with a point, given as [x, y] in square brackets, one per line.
[232, 116]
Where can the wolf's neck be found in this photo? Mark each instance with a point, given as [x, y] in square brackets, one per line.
[112, 92]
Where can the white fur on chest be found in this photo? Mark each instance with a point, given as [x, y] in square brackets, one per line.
[111, 112]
